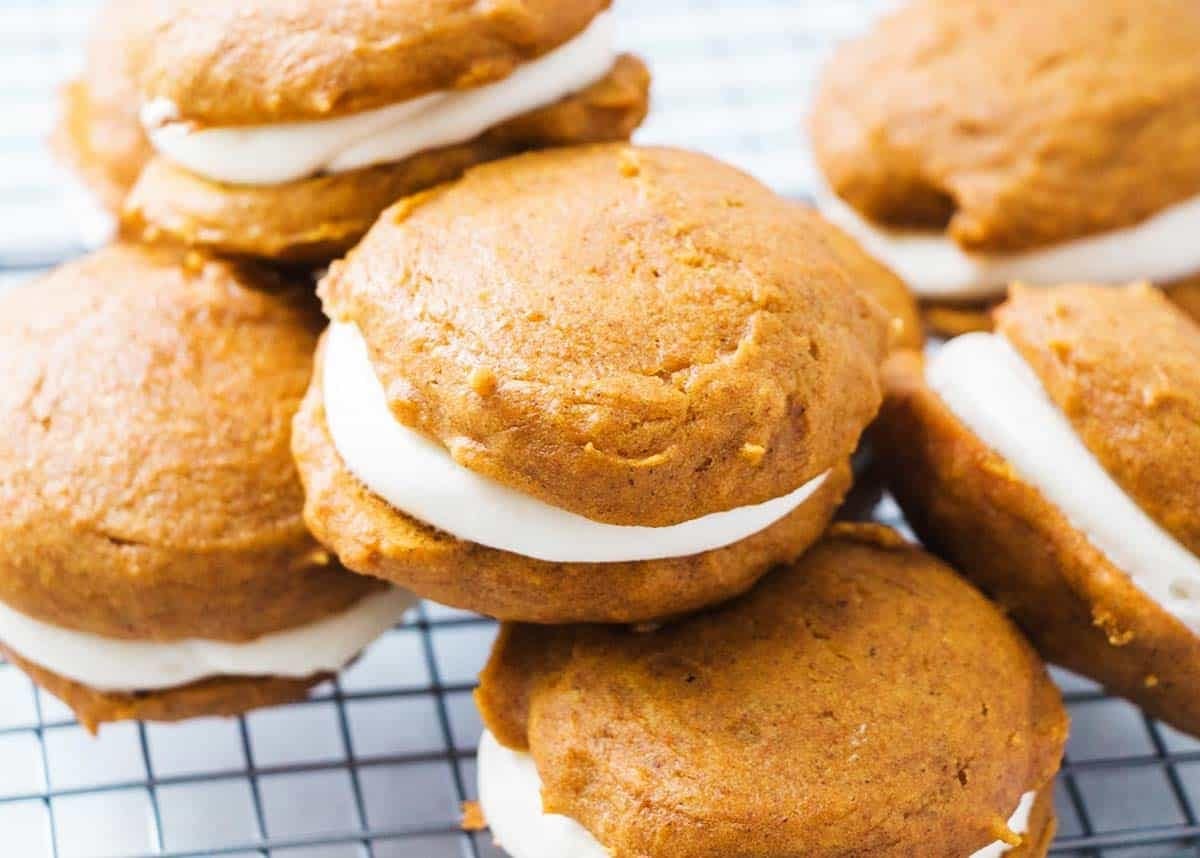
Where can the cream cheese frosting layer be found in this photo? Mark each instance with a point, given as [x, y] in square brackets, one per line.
[109, 664]
[986, 384]
[510, 793]
[285, 152]
[1162, 249]
[420, 478]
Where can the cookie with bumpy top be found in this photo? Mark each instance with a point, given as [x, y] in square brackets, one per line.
[1121, 367]
[933, 120]
[644, 332]
[863, 700]
[147, 490]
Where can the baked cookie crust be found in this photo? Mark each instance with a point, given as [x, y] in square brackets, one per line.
[677, 339]
[933, 120]
[1123, 365]
[371, 537]
[223, 63]
[1080, 611]
[209, 698]
[879, 282]
[147, 489]
[317, 219]
[867, 668]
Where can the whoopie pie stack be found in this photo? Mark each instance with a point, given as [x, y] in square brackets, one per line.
[610, 394]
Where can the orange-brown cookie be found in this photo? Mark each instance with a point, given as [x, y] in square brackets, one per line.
[627, 364]
[1120, 368]
[316, 219]
[372, 537]
[285, 129]
[934, 120]
[222, 63]
[99, 133]
[1124, 367]
[879, 282]
[147, 415]
[209, 698]
[966, 165]
[649, 357]
[863, 700]
[147, 493]
[952, 320]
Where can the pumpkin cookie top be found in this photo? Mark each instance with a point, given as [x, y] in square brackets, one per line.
[865, 668]
[147, 489]
[670, 339]
[933, 120]
[224, 63]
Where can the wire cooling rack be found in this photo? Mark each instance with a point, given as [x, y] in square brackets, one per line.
[378, 763]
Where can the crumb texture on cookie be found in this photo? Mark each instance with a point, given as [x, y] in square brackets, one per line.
[879, 282]
[934, 120]
[317, 219]
[147, 489]
[755, 729]
[371, 537]
[1123, 365]
[221, 696]
[221, 62]
[641, 331]
[970, 506]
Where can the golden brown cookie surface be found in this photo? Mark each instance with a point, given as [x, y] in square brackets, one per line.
[756, 729]
[315, 220]
[1123, 365]
[668, 340]
[371, 537]
[147, 489]
[219, 696]
[879, 282]
[99, 133]
[1093, 124]
[968, 505]
[222, 62]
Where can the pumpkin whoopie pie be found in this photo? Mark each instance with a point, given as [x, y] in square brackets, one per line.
[284, 129]
[613, 405]
[1057, 463]
[966, 164]
[863, 700]
[99, 133]
[153, 557]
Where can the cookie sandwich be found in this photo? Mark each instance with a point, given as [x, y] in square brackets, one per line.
[966, 165]
[154, 562]
[615, 404]
[283, 130]
[1056, 462]
[864, 700]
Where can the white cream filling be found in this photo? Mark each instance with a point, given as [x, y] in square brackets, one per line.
[991, 389]
[289, 151]
[1162, 248]
[109, 664]
[420, 478]
[510, 794]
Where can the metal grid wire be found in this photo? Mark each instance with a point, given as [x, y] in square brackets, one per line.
[378, 763]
